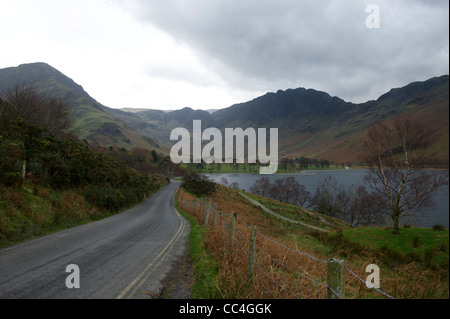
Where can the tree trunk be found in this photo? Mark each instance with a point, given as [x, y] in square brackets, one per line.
[395, 221]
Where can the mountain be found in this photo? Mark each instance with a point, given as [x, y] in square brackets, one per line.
[92, 122]
[314, 124]
[311, 123]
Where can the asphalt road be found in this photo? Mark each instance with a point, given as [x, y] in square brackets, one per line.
[124, 256]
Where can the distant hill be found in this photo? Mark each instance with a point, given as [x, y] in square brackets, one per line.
[92, 122]
[311, 123]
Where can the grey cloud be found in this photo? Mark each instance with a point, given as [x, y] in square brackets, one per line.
[269, 45]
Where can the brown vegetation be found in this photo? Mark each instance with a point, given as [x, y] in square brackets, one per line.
[285, 269]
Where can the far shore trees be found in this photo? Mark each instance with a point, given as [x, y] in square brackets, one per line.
[397, 156]
[286, 190]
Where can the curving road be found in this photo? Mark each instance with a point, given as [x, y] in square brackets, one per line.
[124, 256]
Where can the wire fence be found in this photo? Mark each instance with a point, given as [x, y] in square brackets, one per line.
[265, 268]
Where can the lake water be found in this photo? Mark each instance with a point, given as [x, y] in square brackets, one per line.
[310, 179]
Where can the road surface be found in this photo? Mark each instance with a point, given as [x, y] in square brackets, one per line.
[124, 256]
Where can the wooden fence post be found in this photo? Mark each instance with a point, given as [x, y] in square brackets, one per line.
[232, 225]
[335, 279]
[206, 213]
[251, 254]
[215, 214]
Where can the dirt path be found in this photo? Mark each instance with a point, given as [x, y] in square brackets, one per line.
[256, 203]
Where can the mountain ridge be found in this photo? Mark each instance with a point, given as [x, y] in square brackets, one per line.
[92, 123]
[311, 123]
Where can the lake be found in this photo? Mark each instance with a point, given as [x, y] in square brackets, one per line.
[439, 214]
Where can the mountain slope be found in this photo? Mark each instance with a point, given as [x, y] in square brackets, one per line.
[311, 123]
[91, 120]
[314, 124]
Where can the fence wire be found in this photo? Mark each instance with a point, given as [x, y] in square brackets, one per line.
[280, 272]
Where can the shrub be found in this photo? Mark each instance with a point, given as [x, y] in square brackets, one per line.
[198, 185]
[416, 241]
[105, 197]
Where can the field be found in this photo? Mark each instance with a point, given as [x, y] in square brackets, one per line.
[291, 258]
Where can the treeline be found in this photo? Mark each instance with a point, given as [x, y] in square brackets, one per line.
[306, 163]
[353, 204]
[144, 160]
[286, 190]
[31, 152]
[285, 165]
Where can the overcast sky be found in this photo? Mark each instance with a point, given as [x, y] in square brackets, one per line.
[209, 54]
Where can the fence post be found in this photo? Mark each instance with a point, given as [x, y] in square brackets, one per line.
[215, 214]
[251, 254]
[206, 214]
[335, 279]
[232, 225]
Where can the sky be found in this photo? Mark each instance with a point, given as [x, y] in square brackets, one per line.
[211, 54]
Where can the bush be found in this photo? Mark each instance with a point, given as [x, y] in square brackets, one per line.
[438, 227]
[198, 185]
[64, 164]
[105, 197]
[416, 241]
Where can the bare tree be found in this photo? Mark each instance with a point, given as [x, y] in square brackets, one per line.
[235, 185]
[286, 190]
[348, 203]
[26, 103]
[224, 181]
[261, 187]
[397, 156]
[371, 204]
[302, 196]
[359, 207]
[324, 198]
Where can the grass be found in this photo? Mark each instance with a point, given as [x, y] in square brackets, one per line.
[205, 268]
[32, 210]
[300, 214]
[414, 265]
[232, 278]
[426, 245]
[29, 211]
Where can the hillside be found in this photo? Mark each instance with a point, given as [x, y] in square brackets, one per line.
[311, 123]
[49, 183]
[91, 121]
[314, 124]
[414, 265]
